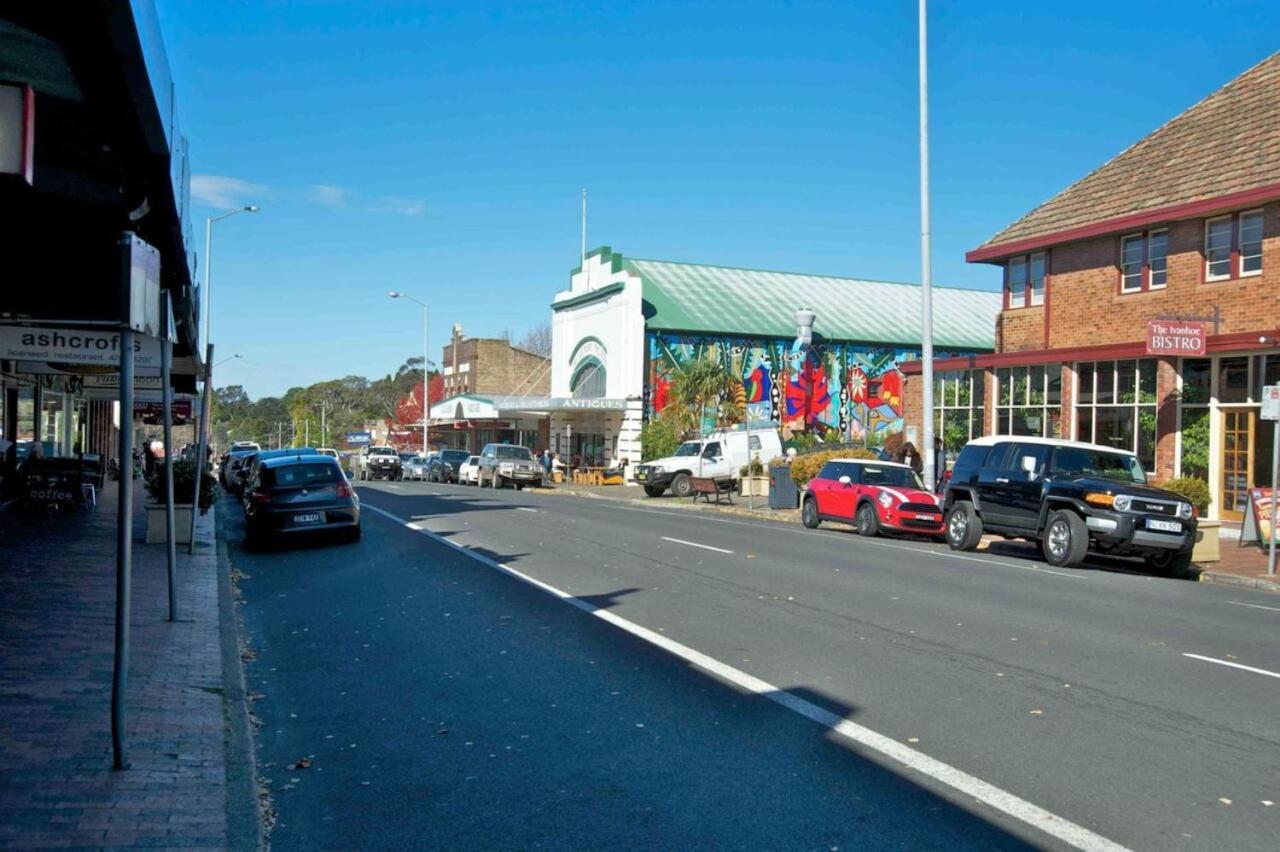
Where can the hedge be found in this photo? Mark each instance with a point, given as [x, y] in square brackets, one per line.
[806, 467]
[1194, 489]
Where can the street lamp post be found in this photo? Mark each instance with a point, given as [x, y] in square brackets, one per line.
[426, 347]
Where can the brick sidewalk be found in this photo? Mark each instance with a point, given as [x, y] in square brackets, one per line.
[57, 598]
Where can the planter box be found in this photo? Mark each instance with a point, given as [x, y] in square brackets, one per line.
[1207, 539]
[181, 523]
[754, 486]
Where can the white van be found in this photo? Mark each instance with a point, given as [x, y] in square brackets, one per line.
[720, 455]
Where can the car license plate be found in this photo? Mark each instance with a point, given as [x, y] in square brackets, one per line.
[1163, 526]
[310, 518]
[640, 477]
[926, 517]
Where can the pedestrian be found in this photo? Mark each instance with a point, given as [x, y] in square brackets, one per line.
[939, 463]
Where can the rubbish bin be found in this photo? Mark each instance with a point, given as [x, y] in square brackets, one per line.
[783, 493]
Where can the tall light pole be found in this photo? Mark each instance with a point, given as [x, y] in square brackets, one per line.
[208, 257]
[426, 382]
[926, 264]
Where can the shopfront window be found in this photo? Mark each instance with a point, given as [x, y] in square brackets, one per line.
[1029, 401]
[1194, 414]
[957, 408]
[1116, 406]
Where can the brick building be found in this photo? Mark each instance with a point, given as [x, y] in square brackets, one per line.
[490, 393]
[1182, 228]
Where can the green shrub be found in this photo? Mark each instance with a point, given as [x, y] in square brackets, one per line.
[659, 438]
[802, 442]
[1193, 489]
[755, 468]
[806, 467]
[183, 485]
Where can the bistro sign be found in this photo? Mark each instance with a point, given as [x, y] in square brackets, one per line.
[1171, 337]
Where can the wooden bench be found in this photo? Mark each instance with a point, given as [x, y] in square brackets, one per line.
[706, 487]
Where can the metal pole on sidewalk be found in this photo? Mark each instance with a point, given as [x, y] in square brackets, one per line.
[1275, 487]
[124, 553]
[202, 444]
[926, 263]
[171, 546]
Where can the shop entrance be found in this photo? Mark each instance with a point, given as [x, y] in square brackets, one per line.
[1246, 459]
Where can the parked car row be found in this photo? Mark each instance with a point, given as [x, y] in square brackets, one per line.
[1068, 497]
[291, 491]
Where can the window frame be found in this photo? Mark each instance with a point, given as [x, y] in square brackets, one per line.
[1239, 232]
[1145, 274]
[1231, 241]
[1027, 298]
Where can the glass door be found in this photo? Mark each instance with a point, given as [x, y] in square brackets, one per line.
[1237, 462]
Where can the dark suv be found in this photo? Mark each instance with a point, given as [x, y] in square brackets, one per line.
[444, 466]
[1069, 497]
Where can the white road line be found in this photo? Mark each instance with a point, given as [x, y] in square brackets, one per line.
[1233, 665]
[1001, 800]
[695, 544]
[391, 485]
[526, 509]
[1253, 606]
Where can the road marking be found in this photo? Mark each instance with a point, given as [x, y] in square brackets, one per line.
[1233, 665]
[969, 785]
[393, 485]
[1253, 606]
[695, 544]
[526, 509]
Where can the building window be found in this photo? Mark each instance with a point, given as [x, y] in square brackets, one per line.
[588, 380]
[1144, 261]
[957, 408]
[1029, 401]
[1251, 243]
[1233, 246]
[1116, 406]
[1024, 283]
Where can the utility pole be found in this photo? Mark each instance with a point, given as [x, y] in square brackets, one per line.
[324, 425]
[306, 442]
[926, 270]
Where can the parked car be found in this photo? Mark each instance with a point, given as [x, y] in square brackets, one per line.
[301, 494]
[444, 466]
[1069, 497]
[469, 470]
[379, 463]
[328, 451]
[249, 467]
[500, 464]
[414, 468]
[872, 495]
[231, 470]
[720, 455]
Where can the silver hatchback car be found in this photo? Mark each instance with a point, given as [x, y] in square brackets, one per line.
[508, 463]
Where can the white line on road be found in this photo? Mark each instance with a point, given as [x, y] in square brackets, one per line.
[695, 544]
[526, 509]
[392, 485]
[969, 785]
[1253, 606]
[1233, 665]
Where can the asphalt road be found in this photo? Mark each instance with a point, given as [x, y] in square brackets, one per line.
[1017, 694]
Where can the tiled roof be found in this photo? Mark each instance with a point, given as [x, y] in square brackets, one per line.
[751, 302]
[1228, 142]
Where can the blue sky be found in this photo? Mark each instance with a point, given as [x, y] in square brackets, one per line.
[439, 148]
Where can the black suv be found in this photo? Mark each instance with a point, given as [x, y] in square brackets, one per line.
[443, 467]
[1069, 497]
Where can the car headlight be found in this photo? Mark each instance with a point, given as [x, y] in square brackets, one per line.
[1122, 503]
[885, 499]
[1185, 511]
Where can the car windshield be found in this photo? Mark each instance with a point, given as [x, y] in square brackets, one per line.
[514, 453]
[688, 448]
[385, 451]
[903, 477]
[1082, 461]
[454, 455]
[473, 460]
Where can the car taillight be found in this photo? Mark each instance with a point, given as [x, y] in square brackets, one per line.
[344, 489]
[260, 498]
[946, 476]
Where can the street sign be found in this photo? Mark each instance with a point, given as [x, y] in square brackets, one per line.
[74, 346]
[1165, 337]
[1271, 402]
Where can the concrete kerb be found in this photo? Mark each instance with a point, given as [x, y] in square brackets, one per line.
[244, 822]
[1261, 584]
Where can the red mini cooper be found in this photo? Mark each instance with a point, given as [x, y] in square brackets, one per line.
[873, 496]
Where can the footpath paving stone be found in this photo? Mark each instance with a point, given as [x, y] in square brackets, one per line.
[57, 624]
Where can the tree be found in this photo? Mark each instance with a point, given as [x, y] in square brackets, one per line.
[703, 385]
[537, 340]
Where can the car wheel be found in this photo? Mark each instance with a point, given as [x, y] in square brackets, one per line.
[809, 514]
[1171, 563]
[865, 521]
[352, 535]
[681, 486]
[1066, 539]
[653, 490]
[964, 527]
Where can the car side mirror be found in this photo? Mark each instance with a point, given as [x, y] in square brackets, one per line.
[844, 480]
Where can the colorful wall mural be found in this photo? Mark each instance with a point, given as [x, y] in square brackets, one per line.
[843, 392]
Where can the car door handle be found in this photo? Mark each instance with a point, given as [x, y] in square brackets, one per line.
[1002, 480]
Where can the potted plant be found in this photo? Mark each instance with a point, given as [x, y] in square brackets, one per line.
[754, 481]
[183, 494]
[1196, 492]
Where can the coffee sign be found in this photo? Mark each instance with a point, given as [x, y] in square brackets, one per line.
[1171, 337]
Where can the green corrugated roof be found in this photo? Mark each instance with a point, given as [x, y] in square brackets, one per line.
[754, 302]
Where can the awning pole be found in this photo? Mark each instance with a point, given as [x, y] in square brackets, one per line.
[124, 552]
[202, 443]
[171, 546]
